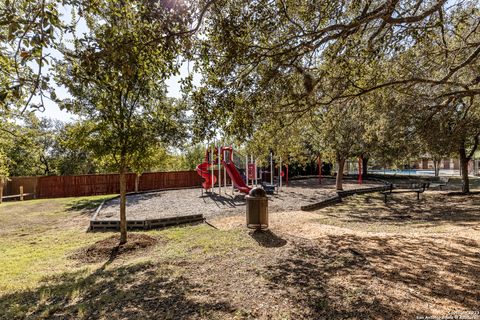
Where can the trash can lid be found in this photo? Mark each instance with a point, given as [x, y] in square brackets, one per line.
[257, 192]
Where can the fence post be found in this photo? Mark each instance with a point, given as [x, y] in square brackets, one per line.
[137, 181]
[1, 190]
[21, 193]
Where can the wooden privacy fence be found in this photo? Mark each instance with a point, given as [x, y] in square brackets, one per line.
[98, 184]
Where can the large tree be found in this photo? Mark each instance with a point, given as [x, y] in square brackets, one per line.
[116, 74]
[441, 86]
[262, 60]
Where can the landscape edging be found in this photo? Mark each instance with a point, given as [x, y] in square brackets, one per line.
[340, 195]
[146, 224]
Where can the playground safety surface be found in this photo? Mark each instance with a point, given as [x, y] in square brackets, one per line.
[191, 202]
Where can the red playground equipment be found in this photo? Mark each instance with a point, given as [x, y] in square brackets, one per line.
[205, 169]
[209, 179]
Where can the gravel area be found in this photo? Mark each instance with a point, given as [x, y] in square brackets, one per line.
[174, 203]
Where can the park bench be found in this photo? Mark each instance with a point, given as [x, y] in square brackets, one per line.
[442, 182]
[413, 188]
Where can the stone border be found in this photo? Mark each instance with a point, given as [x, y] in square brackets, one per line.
[105, 225]
[346, 193]
[322, 204]
[340, 195]
[94, 217]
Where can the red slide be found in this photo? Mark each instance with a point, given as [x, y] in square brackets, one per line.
[236, 177]
[202, 170]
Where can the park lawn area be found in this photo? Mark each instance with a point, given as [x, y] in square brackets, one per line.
[41, 239]
[358, 259]
[36, 234]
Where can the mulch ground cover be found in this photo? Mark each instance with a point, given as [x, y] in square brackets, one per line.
[110, 248]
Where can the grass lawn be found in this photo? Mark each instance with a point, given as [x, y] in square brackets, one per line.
[359, 259]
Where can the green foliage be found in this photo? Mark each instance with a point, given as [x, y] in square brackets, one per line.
[193, 156]
[69, 155]
[341, 79]
[4, 172]
[293, 144]
[28, 32]
[389, 81]
[116, 75]
[185, 158]
[36, 146]
[33, 146]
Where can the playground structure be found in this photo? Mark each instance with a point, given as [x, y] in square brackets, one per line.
[221, 156]
[218, 156]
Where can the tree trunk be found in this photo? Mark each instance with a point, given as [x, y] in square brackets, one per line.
[46, 171]
[364, 167]
[464, 168]
[320, 168]
[123, 201]
[1, 189]
[436, 167]
[339, 181]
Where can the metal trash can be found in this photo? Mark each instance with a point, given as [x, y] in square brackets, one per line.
[257, 209]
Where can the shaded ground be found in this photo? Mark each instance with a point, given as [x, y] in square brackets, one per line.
[355, 260]
[193, 201]
[435, 212]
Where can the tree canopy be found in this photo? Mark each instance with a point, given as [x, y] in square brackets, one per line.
[340, 67]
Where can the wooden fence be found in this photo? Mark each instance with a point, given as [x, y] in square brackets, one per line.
[98, 184]
[12, 187]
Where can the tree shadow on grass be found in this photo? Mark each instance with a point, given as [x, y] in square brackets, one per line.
[267, 238]
[432, 210]
[85, 205]
[140, 291]
[346, 276]
[460, 193]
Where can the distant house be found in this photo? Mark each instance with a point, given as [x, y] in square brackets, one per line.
[426, 163]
